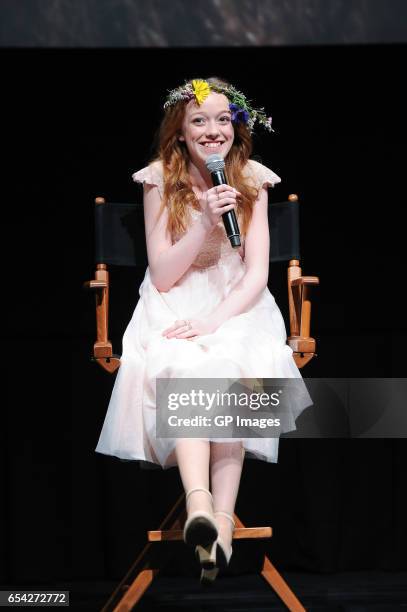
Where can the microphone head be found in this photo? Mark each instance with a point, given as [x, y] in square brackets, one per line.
[215, 162]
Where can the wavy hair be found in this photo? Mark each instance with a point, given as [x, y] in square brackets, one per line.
[178, 192]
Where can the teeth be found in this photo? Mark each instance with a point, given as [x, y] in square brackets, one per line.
[212, 145]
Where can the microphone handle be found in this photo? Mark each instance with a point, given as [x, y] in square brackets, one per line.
[229, 217]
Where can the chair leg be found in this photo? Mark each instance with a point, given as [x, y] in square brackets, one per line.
[276, 581]
[136, 591]
[278, 584]
[144, 569]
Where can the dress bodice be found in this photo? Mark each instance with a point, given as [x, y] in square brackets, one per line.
[217, 246]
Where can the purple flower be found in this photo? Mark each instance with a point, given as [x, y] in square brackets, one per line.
[239, 115]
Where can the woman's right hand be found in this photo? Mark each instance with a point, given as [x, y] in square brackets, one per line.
[216, 202]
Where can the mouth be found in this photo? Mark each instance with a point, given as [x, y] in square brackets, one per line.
[211, 145]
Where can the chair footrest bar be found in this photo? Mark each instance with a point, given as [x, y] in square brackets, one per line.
[245, 533]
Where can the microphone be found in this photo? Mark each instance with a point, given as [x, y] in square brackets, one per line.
[216, 166]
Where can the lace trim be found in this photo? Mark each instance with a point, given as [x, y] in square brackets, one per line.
[152, 175]
[261, 175]
[216, 247]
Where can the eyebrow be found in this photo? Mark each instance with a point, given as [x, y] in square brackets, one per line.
[203, 113]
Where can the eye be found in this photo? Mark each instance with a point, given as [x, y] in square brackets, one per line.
[225, 119]
[197, 119]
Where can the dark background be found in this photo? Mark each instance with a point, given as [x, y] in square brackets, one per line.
[77, 123]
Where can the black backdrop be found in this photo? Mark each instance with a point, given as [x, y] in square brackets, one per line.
[77, 124]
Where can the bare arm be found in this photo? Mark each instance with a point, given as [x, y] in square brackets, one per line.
[257, 248]
[167, 261]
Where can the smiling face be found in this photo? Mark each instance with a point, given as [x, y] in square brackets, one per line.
[207, 128]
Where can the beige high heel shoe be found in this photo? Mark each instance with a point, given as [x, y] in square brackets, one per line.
[208, 576]
[222, 555]
[206, 555]
[201, 530]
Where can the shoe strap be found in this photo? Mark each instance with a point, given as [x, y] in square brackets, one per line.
[197, 489]
[229, 516]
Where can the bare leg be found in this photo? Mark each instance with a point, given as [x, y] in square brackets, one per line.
[193, 457]
[226, 464]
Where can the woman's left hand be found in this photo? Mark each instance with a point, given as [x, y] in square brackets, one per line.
[187, 329]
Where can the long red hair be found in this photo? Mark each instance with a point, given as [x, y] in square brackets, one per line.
[178, 192]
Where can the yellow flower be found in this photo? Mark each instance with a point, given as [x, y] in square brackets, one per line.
[201, 90]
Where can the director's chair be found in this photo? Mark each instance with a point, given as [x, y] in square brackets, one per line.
[120, 241]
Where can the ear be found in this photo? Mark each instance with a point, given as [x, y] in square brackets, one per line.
[181, 138]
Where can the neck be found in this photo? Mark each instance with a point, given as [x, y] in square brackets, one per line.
[200, 175]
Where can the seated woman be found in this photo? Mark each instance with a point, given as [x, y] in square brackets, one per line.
[205, 310]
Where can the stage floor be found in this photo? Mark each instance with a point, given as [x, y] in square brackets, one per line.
[344, 592]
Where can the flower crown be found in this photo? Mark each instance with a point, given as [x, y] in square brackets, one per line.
[240, 107]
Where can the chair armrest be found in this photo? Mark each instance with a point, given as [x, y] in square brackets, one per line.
[299, 287]
[102, 348]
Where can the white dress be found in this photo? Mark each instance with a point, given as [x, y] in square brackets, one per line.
[247, 346]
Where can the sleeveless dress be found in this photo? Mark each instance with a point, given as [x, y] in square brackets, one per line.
[247, 346]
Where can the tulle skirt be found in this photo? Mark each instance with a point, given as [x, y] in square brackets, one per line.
[251, 345]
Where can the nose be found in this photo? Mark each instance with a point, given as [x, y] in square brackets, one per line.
[212, 129]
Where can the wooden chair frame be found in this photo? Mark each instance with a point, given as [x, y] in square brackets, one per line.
[147, 565]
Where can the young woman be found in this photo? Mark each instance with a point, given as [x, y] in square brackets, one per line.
[205, 310]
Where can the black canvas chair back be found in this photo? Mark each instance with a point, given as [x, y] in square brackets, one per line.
[120, 234]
